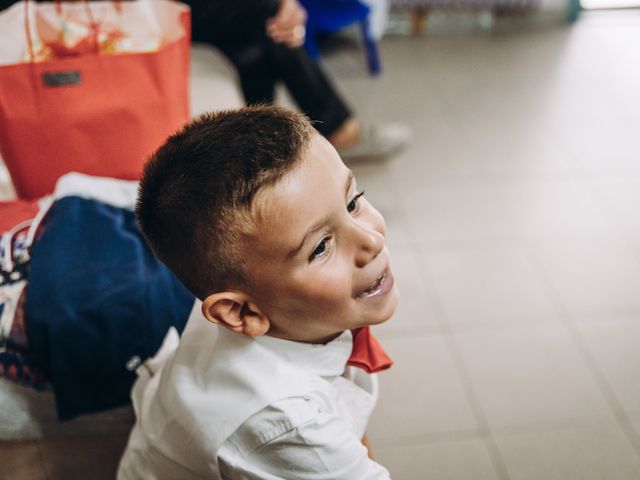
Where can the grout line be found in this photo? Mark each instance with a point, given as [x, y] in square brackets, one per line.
[629, 237]
[584, 176]
[43, 460]
[439, 437]
[478, 413]
[592, 364]
[570, 425]
[411, 332]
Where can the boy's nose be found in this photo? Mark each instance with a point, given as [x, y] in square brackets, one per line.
[370, 244]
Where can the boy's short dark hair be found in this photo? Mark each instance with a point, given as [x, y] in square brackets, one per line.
[197, 189]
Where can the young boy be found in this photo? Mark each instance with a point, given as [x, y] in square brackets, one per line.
[258, 216]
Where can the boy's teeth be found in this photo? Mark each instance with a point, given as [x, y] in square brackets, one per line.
[376, 284]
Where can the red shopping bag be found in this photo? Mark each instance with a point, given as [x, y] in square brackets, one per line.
[15, 212]
[91, 110]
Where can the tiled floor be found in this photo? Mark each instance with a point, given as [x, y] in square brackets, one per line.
[514, 221]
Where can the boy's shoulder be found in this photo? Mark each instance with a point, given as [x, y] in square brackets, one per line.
[226, 378]
[227, 396]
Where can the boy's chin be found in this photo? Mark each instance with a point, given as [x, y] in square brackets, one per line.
[388, 310]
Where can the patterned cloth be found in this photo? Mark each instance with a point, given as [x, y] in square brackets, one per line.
[83, 300]
[16, 361]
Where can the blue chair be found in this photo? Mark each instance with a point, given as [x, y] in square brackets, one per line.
[329, 16]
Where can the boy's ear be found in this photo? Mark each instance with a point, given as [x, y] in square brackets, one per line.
[233, 311]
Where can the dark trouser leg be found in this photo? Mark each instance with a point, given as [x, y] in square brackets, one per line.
[261, 63]
[310, 88]
[257, 77]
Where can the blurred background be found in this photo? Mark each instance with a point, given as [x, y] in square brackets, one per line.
[514, 227]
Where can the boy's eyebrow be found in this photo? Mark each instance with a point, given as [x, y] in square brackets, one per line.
[319, 225]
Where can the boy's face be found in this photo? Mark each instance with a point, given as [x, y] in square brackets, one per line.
[317, 256]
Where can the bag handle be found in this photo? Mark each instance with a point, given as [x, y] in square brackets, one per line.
[27, 29]
[93, 26]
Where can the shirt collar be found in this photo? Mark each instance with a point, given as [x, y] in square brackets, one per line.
[325, 360]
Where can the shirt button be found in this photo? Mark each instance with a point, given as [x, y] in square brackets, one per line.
[133, 363]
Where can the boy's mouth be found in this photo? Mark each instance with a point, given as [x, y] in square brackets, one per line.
[380, 286]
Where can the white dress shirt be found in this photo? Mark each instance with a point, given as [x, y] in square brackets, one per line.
[226, 406]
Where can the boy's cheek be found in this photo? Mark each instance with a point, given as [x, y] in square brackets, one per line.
[326, 292]
[294, 296]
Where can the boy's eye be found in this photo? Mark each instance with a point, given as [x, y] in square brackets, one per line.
[320, 249]
[353, 204]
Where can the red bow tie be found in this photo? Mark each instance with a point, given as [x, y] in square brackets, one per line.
[367, 352]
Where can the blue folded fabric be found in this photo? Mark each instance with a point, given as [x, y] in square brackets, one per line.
[98, 303]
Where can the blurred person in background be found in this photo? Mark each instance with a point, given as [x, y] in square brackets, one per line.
[263, 40]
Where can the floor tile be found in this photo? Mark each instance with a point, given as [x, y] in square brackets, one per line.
[416, 312]
[600, 452]
[27, 413]
[530, 154]
[75, 457]
[614, 346]
[455, 216]
[622, 199]
[557, 209]
[488, 286]
[635, 425]
[531, 376]
[591, 276]
[588, 128]
[21, 461]
[436, 157]
[442, 460]
[422, 393]
[438, 160]
[212, 85]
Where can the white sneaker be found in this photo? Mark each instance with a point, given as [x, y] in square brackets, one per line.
[377, 142]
